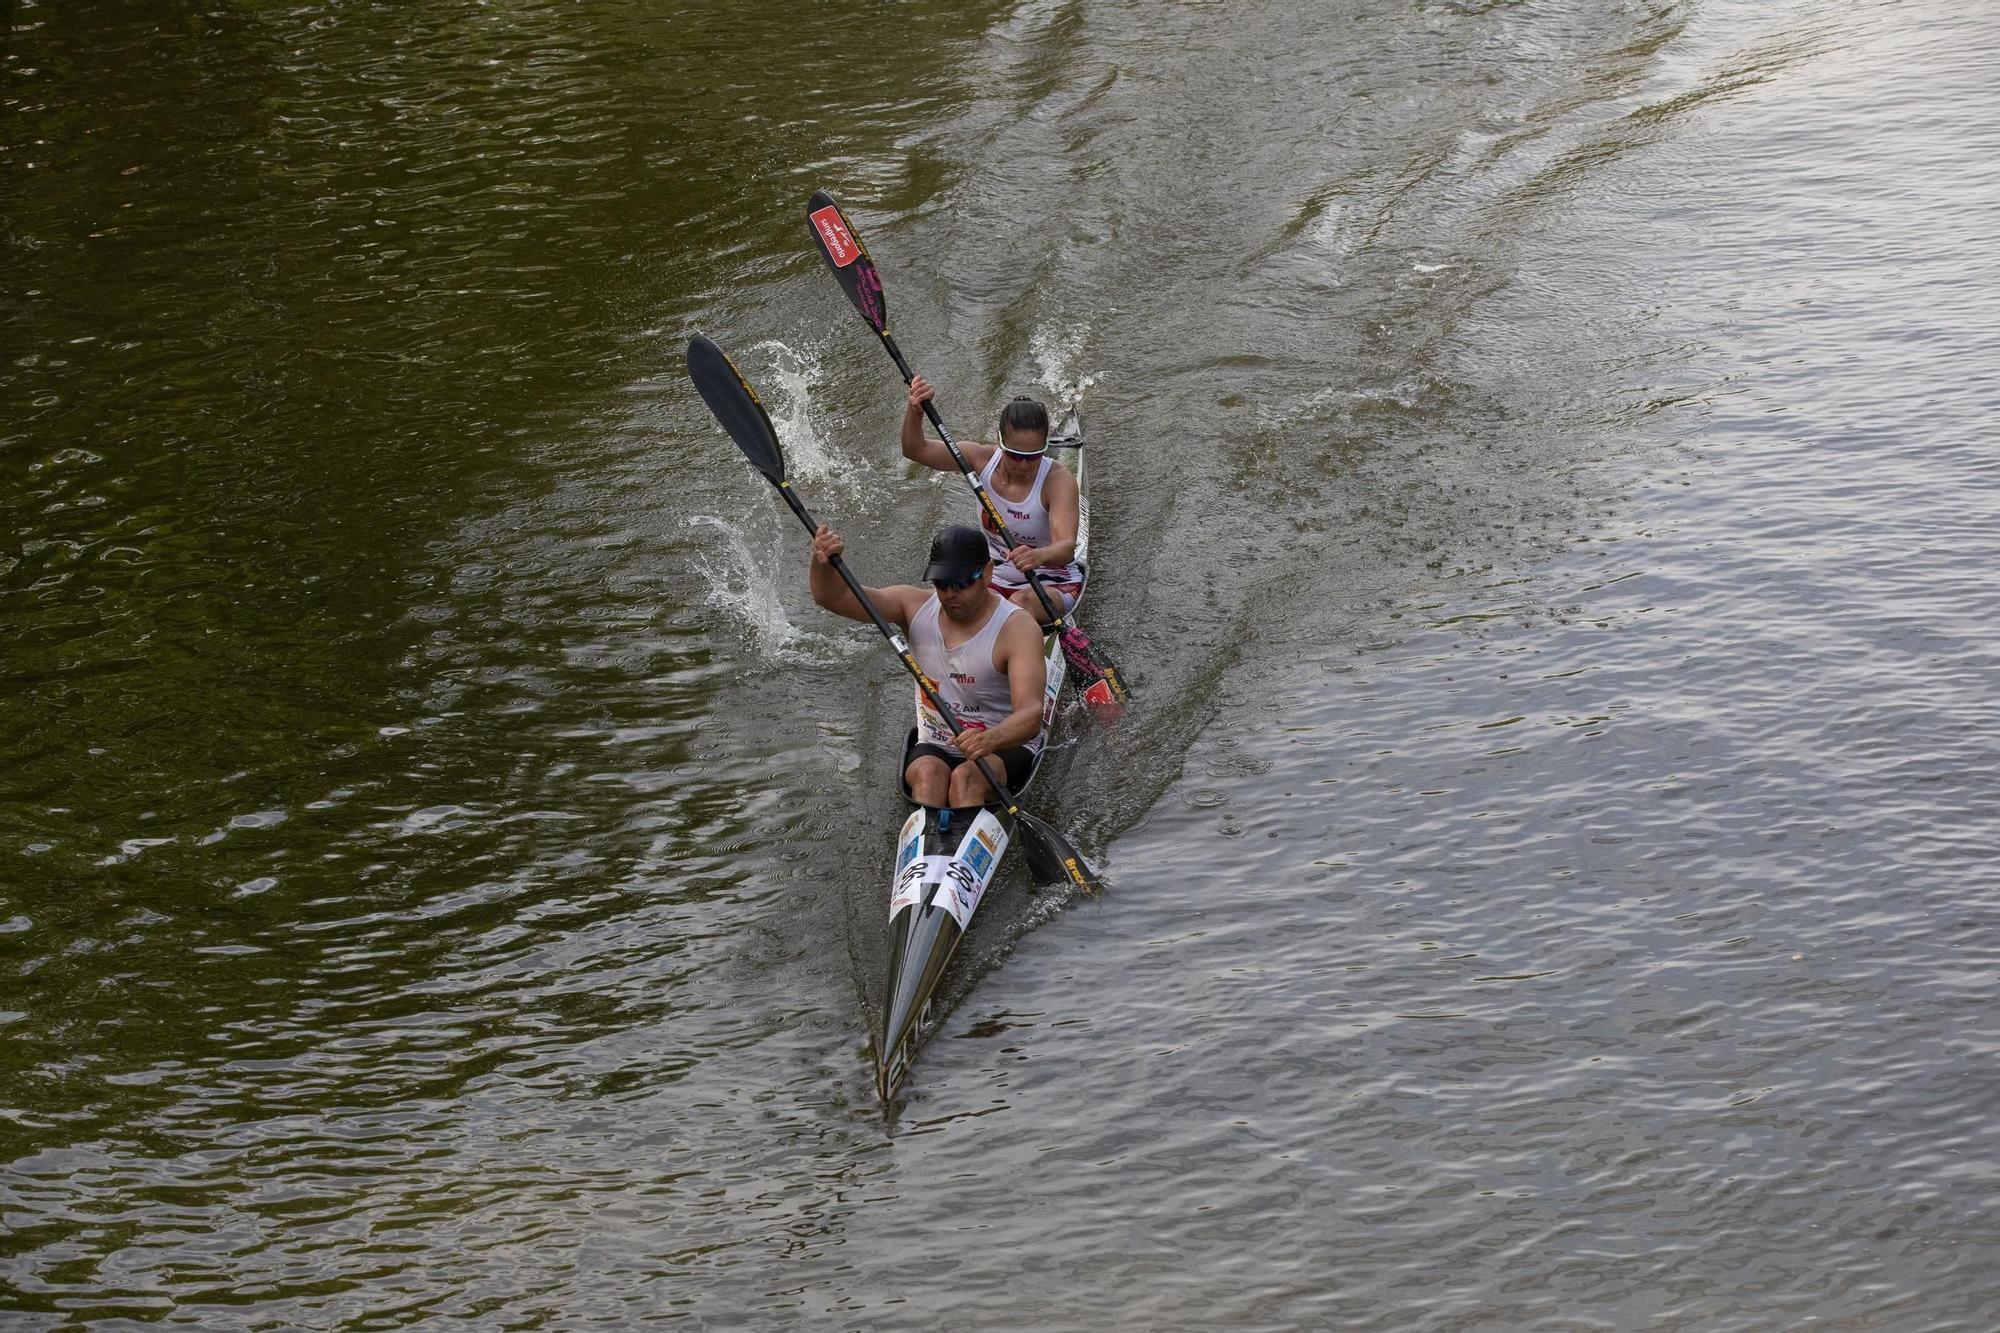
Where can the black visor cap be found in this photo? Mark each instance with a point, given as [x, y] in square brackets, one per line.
[957, 554]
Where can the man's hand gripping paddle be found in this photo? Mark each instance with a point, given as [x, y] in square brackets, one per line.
[738, 411]
[1105, 691]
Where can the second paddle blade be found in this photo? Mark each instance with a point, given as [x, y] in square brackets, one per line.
[1102, 703]
[848, 258]
[1051, 858]
[1103, 690]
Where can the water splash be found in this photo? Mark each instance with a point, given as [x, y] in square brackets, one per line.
[786, 379]
[745, 580]
[746, 588]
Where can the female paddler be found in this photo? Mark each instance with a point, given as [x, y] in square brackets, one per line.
[1035, 494]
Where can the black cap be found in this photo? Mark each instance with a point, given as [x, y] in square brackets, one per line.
[957, 553]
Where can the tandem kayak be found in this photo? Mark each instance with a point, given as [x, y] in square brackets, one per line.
[947, 859]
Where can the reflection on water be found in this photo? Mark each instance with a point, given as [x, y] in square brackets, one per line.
[1538, 497]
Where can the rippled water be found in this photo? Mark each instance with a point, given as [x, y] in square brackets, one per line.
[1544, 497]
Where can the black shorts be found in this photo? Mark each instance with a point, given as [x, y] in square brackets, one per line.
[1018, 760]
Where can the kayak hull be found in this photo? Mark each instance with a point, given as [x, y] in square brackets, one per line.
[946, 860]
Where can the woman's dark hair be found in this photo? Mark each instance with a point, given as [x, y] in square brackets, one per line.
[1024, 414]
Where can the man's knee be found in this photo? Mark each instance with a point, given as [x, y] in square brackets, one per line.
[927, 777]
[970, 787]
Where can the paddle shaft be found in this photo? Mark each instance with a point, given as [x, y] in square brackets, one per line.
[897, 642]
[1055, 617]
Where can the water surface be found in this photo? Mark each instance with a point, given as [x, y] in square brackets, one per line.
[1542, 493]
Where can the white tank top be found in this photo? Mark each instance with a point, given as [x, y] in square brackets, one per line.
[973, 688]
[1028, 520]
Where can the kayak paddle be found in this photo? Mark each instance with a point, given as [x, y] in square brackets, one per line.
[855, 271]
[738, 410]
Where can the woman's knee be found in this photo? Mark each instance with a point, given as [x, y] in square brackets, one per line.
[1028, 602]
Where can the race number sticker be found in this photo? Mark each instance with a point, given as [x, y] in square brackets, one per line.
[930, 724]
[960, 891]
[840, 244]
[910, 884]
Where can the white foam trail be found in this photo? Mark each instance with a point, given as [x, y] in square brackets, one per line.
[1340, 404]
[1330, 231]
[1058, 354]
[745, 588]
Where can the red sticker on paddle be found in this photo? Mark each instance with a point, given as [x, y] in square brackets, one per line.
[840, 244]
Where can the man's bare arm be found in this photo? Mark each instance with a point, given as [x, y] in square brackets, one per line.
[831, 591]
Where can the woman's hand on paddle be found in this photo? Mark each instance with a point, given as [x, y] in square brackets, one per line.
[1025, 557]
[826, 545]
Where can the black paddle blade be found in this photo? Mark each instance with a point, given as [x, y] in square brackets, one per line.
[848, 258]
[1051, 857]
[735, 405]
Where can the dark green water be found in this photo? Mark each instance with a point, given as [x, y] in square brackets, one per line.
[1543, 492]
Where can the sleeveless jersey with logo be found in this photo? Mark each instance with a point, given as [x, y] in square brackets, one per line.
[975, 690]
[1028, 520]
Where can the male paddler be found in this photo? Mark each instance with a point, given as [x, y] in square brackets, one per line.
[984, 656]
[1035, 494]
